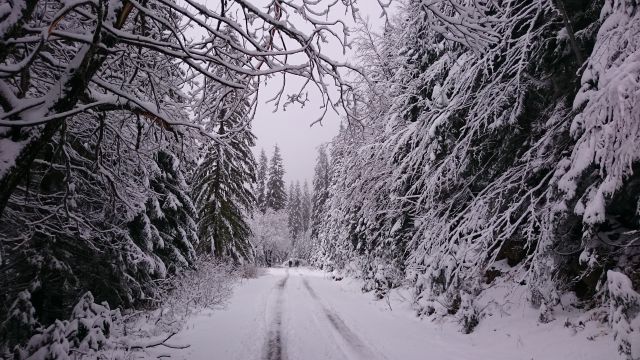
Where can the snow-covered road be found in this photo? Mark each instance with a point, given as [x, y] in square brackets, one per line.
[301, 314]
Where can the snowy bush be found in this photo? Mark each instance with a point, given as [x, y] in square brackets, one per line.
[84, 336]
[468, 314]
[249, 271]
[624, 314]
[382, 278]
[51, 343]
[95, 331]
[207, 286]
[21, 322]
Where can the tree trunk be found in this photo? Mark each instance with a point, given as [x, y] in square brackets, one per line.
[572, 37]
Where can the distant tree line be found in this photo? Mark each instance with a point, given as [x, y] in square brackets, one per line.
[282, 222]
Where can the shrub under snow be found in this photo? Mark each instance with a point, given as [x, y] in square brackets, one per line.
[95, 331]
[624, 314]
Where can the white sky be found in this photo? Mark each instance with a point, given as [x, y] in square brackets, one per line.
[291, 129]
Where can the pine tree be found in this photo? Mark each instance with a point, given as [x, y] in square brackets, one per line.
[223, 181]
[261, 182]
[289, 208]
[294, 208]
[305, 207]
[321, 181]
[223, 193]
[167, 226]
[290, 198]
[276, 195]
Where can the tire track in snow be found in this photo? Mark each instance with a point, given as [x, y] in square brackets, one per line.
[350, 337]
[274, 346]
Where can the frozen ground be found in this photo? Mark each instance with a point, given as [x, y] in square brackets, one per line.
[302, 314]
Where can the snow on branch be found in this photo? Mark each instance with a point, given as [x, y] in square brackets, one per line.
[606, 127]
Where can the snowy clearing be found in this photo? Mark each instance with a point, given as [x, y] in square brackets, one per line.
[303, 314]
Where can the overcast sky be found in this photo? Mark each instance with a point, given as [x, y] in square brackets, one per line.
[298, 141]
[290, 129]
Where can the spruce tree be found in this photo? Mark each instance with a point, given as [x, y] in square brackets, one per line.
[321, 181]
[261, 182]
[276, 195]
[295, 211]
[223, 193]
[305, 207]
[167, 226]
[223, 181]
[290, 198]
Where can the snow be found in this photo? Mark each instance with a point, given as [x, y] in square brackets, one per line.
[606, 127]
[624, 314]
[300, 313]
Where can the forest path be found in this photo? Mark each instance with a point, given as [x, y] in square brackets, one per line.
[302, 314]
[297, 313]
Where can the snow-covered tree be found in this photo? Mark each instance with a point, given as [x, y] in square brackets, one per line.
[305, 207]
[469, 152]
[624, 314]
[294, 211]
[276, 193]
[223, 181]
[290, 199]
[167, 226]
[72, 219]
[261, 182]
[321, 179]
[271, 238]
